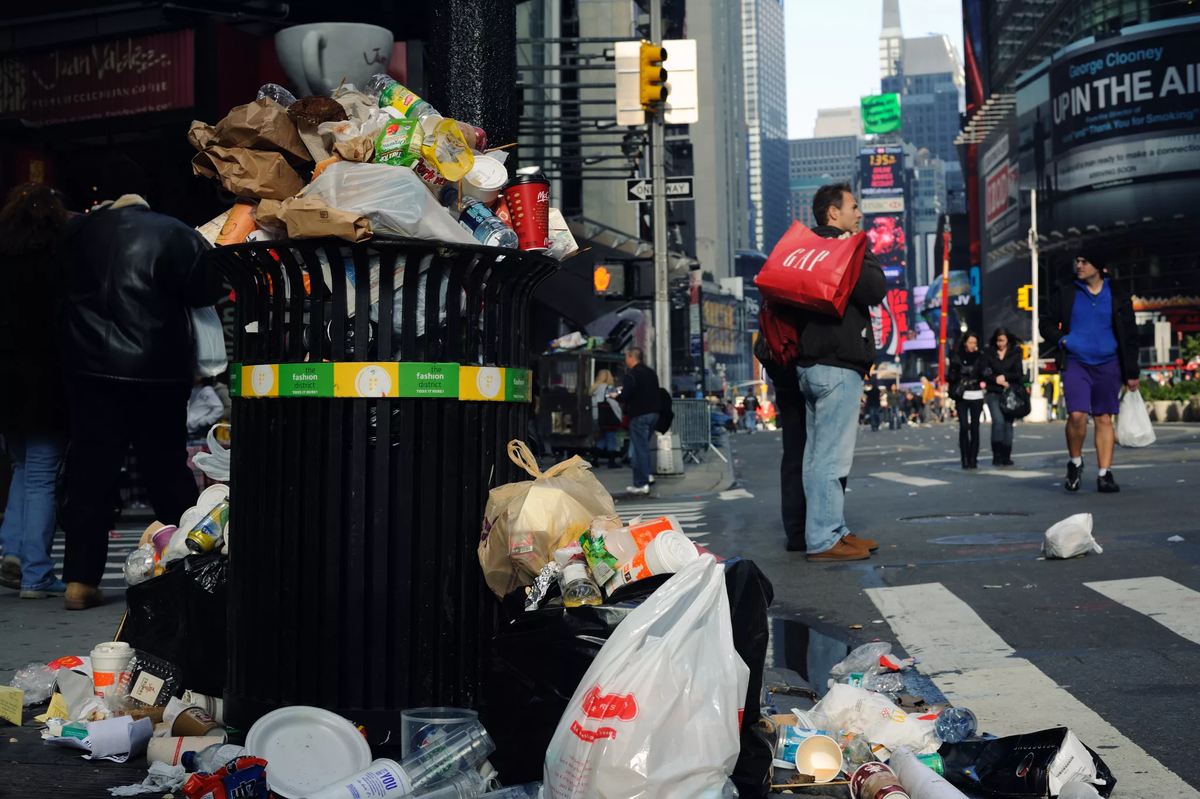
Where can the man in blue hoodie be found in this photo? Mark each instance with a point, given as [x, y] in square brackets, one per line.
[1092, 323]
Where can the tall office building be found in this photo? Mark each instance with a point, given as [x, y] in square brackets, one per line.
[812, 163]
[891, 40]
[764, 70]
[832, 122]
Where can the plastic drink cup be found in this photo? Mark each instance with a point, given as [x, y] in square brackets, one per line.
[530, 790]
[820, 757]
[935, 762]
[464, 749]
[424, 725]
[528, 198]
[876, 781]
[162, 538]
[463, 785]
[110, 667]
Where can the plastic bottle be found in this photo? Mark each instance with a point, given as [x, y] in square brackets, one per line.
[276, 93]
[463, 785]
[479, 220]
[391, 92]
[211, 758]
[575, 581]
[530, 790]
[955, 725]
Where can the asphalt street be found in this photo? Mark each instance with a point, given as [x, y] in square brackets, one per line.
[1107, 644]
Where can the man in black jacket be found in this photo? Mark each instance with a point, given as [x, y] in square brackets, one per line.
[639, 395]
[127, 279]
[835, 354]
[1091, 322]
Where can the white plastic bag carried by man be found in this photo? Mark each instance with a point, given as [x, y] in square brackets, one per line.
[1133, 422]
[657, 715]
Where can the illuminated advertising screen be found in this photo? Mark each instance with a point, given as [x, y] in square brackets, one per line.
[881, 113]
[885, 236]
[881, 171]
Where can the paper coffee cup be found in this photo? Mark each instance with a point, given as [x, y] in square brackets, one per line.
[170, 750]
[195, 722]
[110, 661]
[213, 706]
[820, 757]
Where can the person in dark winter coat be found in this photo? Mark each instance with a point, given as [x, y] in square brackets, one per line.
[835, 354]
[128, 277]
[1091, 322]
[1002, 368]
[966, 379]
[33, 415]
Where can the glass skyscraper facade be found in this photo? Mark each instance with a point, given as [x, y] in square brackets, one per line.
[812, 163]
[764, 71]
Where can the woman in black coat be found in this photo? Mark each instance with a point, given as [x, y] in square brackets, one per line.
[1003, 369]
[967, 389]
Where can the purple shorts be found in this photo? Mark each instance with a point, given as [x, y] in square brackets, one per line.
[1092, 389]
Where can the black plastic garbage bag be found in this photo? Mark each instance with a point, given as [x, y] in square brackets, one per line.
[1015, 766]
[179, 616]
[540, 657]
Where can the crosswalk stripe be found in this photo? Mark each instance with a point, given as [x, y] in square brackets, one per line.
[1016, 474]
[909, 479]
[928, 461]
[1172, 605]
[974, 667]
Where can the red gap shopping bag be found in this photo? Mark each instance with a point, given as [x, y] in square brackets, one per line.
[813, 273]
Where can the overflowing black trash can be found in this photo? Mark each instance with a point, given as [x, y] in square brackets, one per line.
[376, 386]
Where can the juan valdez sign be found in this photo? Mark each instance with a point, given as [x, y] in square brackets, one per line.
[119, 77]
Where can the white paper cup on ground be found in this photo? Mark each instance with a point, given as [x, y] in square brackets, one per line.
[109, 661]
[485, 180]
[820, 757]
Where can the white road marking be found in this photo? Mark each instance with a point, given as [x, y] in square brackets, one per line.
[736, 493]
[1015, 455]
[1016, 474]
[1172, 605]
[974, 667]
[909, 480]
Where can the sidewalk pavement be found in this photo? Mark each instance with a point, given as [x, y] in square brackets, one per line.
[712, 475]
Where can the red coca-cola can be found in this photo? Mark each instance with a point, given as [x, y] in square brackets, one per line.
[876, 781]
[528, 199]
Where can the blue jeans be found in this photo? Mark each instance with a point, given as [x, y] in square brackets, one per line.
[831, 397]
[606, 441]
[874, 414]
[1002, 426]
[640, 429]
[28, 528]
[750, 419]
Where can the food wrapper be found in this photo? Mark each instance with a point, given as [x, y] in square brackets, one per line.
[447, 150]
[262, 125]
[248, 173]
[308, 217]
[562, 243]
[268, 214]
[541, 586]
[524, 523]
[244, 778]
[399, 143]
[360, 149]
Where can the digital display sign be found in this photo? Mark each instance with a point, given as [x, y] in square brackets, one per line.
[881, 171]
[885, 234]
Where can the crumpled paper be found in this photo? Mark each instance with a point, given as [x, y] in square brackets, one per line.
[262, 125]
[114, 739]
[248, 173]
[309, 217]
[162, 778]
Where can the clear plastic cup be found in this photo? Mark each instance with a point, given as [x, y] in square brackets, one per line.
[422, 725]
[464, 749]
[463, 785]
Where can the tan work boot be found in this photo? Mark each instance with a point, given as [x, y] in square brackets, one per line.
[861, 543]
[842, 550]
[81, 596]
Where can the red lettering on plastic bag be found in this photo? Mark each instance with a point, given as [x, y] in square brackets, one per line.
[592, 735]
[609, 707]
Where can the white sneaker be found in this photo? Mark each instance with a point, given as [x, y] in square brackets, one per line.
[635, 490]
[651, 479]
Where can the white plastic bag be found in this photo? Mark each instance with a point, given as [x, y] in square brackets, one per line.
[215, 462]
[875, 718]
[1070, 537]
[210, 341]
[657, 714]
[1133, 423]
[392, 197]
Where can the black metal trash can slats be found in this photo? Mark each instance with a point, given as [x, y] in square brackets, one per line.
[354, 522]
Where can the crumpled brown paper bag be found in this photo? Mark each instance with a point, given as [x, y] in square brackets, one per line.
[261, 125]
[360, 149]
[248, 173]
[308, 217]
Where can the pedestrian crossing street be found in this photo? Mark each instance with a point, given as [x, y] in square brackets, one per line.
[125, 541]
[973, 666]
[689, 513]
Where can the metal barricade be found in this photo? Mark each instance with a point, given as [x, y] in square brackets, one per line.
[693, 425]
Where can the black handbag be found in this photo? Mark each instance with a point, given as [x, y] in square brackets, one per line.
[1014, 402]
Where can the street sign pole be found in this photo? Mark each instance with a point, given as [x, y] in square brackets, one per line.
[1037, 403]
[945, 311]
[658, 174]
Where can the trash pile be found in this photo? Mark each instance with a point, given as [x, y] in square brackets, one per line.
[379, 160]
[889, 744]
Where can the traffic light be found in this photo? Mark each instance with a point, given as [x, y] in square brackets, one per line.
[652, 75]
[1023, 300]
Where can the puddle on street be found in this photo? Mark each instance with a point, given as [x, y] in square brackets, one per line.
[969, 516]
[796, 646]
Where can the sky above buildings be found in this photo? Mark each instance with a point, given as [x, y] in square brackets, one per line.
[833, 50]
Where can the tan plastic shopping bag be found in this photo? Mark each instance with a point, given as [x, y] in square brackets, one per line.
[525, 522]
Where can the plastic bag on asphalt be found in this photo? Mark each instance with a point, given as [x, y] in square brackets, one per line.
[1036, 764]
[37, 681]
[861, 660]
[875, 718]
[524, 523]
[1133, 422]
[1070, 537]
[657, 715]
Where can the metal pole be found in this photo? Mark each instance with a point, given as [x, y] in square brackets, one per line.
[662, 304]
[945, 310]
[1037, 403]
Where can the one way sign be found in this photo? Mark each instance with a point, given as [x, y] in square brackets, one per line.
[638, 190]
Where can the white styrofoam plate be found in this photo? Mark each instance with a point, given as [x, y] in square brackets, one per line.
[306, 748]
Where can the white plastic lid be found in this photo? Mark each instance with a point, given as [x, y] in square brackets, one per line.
[669, 552]
[487, 173]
